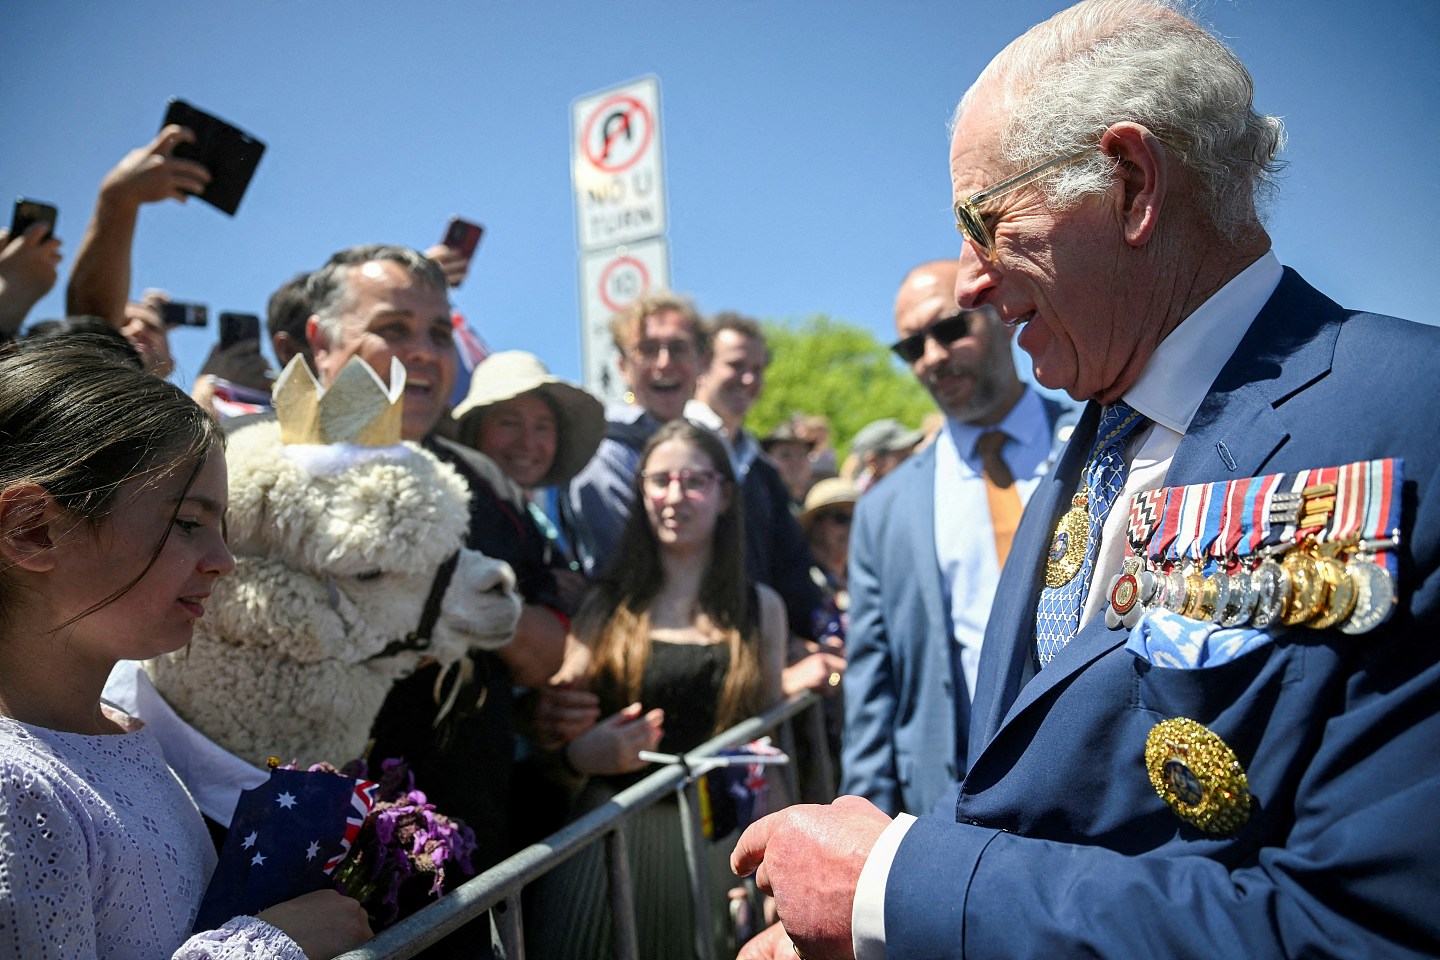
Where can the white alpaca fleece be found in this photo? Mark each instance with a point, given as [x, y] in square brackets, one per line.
[331, 569]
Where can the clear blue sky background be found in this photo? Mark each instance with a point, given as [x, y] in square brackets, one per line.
[805, 141]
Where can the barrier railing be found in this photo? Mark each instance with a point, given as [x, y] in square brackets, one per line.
[499, 888]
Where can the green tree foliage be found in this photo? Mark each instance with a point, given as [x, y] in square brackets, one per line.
[837, 369]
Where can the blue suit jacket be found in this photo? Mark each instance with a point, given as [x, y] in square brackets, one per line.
[905, 729]
[900, 744]
[1062, 846]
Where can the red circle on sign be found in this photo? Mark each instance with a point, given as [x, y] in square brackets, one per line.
[609, 271]
[631, 107]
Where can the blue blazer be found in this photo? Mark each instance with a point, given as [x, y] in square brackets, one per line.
[1063, 848]
[905, 730]
[900, 747]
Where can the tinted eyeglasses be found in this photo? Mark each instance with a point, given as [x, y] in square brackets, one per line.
[970, 222]
[693, 483]
[944, 331]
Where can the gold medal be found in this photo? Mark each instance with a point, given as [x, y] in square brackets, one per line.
[1339, 593]
[1215, 597]
[1194, 595]
[1307, 598]
[1198, 775]
[1067, 548]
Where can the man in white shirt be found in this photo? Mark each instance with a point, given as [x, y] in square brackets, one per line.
[926, 550]
[1206, 778]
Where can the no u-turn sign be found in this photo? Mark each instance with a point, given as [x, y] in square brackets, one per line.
[616, 165]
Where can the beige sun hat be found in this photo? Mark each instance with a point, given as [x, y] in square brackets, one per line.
[826, 493]
[580, 417]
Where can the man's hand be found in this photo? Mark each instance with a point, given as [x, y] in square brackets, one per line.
[454, 264]
[152, 173]
[27, 272]
[772, 943]
[809, 859]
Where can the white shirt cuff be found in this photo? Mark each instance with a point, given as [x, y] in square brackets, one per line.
[867, 918]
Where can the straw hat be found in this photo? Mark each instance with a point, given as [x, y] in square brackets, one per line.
[580, 417]
[826, 493]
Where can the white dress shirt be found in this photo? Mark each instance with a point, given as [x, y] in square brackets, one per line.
[1169, 391]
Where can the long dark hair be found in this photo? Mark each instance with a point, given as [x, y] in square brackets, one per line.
[80, 425]
[617, 612]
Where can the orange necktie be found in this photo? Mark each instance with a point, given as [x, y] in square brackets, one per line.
[1000, 490]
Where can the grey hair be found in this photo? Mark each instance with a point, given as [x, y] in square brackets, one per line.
[328, 289]
[1067, 80]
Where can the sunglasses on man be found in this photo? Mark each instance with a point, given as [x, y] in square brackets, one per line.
[944, 331]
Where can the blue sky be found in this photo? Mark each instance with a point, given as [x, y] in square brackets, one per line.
[805, 141]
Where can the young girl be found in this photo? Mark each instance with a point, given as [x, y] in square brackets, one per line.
[682, 648]
[112, 505]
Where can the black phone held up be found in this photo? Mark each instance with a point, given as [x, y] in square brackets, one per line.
[235, 327]
[177, 313]
[229, 153]
[463, 236]
[29, 212]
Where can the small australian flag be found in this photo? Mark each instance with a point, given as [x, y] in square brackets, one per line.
[286, 839]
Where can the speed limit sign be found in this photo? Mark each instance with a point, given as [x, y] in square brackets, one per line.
[612, 281]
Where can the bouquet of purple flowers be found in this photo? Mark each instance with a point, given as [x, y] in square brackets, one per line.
[403, 849]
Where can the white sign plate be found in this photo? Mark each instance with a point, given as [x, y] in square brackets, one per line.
[610, 281]
[616, 166]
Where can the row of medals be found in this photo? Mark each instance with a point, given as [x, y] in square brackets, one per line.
[1315, 584]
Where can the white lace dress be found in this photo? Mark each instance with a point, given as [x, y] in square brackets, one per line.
[103, 855]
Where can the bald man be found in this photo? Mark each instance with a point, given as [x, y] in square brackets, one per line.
[927, 548]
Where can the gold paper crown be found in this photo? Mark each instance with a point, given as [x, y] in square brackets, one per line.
[357, 408]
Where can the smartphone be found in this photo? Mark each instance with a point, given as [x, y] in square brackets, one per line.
[463, 236]
[229, 153]
[235, 327]
[177, 313]
[29, 212]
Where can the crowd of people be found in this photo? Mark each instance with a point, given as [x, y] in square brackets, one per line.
[1163, 652]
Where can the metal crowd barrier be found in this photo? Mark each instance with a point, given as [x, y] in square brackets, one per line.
[499, 888]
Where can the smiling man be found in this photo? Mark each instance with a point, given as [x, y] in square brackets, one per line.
[928, 545]
[377, 302]
[776, 553]
[663, 348]
[1207, 711]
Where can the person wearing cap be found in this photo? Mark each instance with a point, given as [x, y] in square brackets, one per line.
[775, 549]
[924, 556]
[879, 447]
[829, 509]
[518, 428]
[790, 453]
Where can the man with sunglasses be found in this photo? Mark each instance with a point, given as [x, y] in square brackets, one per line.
[1253, 777]
[928, 546]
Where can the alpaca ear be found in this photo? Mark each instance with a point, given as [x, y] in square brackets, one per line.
[28, 527]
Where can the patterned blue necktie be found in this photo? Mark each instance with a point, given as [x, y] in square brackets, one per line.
[1071, 561]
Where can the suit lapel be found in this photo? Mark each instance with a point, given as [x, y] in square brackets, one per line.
[1006, 663]
[922, 534]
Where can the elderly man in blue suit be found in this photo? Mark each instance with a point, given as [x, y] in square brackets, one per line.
[1158, 783]
[927, 549]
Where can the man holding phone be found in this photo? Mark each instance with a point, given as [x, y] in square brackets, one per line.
[100, 279]
[27, 272]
